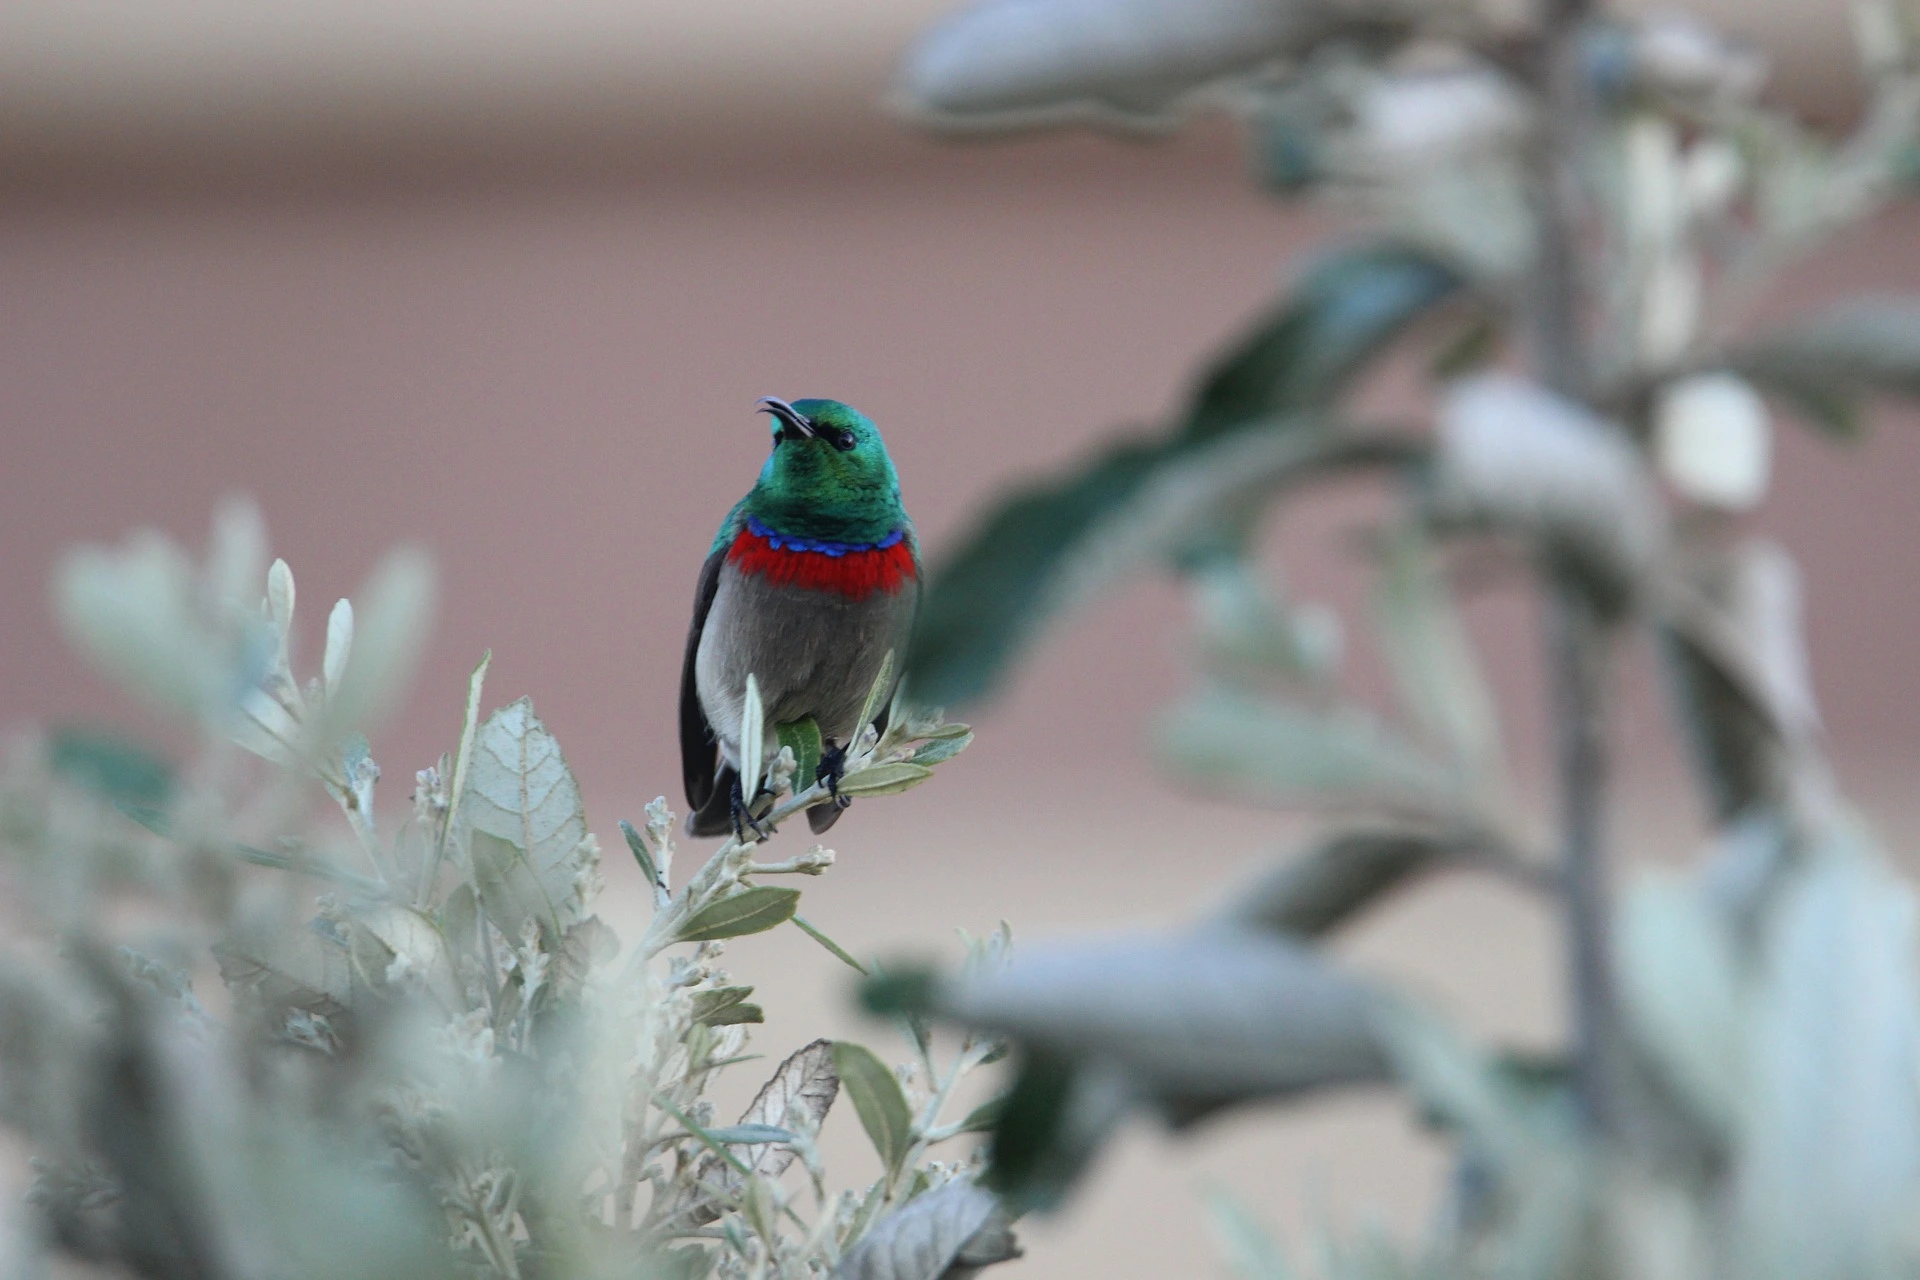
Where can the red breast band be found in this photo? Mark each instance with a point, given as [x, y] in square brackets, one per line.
[854, 573]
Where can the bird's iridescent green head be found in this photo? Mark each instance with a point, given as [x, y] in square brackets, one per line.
[828, 475]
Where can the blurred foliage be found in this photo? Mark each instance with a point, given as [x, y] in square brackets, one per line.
[1565, 217]
[429, 1055]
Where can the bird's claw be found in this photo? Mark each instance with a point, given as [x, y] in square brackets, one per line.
[833, 765]
[743, 819]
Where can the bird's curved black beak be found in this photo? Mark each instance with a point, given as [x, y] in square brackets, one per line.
[790, 418]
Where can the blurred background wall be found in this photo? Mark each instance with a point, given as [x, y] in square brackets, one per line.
[506, 279]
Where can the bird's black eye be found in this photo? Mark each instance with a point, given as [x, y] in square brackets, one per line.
[843, 439]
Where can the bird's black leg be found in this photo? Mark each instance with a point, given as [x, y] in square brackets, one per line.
[833, 763]
[743, 815]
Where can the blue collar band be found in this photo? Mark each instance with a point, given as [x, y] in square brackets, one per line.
[787, 542]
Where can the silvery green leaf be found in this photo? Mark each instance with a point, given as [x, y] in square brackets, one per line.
[753, 739]
[641, 854]
[521, 794]
[750, 1135]
[799, 1094]
[514, 888]
[1514, 455]
[457, 782]
[941, 749]
[797, 1097]
[333, 664]
[1432, 658]
[877, 1097]
[1022, 62]
[885, 779]
[1682, 993]
[1278, 753]
[1198, 1019]
[390, 625]
[295, 969]
[751, 910]
[1336, 877]
[1830, 1140]
[409, 948]
[877, 692]
[950, 1233]
[725, 1006]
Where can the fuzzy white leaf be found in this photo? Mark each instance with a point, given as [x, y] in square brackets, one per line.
[1514, 454]
[1199, 1018]
[1282, 754]
[1713, 440]
[1001, 62]
[521, 793]
[946, 1234]
[753, 739]
[280, 610]
[333, 665]
[389, 633]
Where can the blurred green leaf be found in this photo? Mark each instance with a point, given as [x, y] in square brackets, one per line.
[1822, 364]
[1052, 1122]
[111, 766]
[1336, 877]
[1303, 353]
[879, 1100]
[752, 910]
[945, 1234]
[1050, 545]
[1196, 1021]
[1276, 753]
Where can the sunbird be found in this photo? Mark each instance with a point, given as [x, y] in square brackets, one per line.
[810, 587]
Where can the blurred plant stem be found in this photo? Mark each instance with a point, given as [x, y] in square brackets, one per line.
[1578, 632]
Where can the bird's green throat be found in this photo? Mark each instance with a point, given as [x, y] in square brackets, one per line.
[836, 483]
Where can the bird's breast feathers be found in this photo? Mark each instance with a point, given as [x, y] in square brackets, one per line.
[853, 570]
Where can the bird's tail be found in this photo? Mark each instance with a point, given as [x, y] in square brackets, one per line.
[715, 817]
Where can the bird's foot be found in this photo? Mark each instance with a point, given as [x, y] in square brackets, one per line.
[833, 766]
[743, 819]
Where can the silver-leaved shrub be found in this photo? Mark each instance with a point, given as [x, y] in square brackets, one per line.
[425, 1054]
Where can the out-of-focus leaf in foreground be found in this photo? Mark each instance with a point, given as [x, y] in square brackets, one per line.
[1047, 548]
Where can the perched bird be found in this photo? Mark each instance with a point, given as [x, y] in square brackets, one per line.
[810, 584]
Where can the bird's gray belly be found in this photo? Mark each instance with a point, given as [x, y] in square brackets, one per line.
[812, 653]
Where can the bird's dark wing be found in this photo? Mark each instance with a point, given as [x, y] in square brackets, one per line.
[699, 753]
